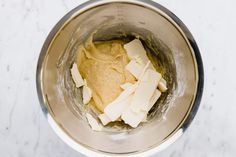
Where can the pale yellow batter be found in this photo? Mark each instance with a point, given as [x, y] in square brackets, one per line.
[102, 64]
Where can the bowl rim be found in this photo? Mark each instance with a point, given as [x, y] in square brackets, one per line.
[170, 17]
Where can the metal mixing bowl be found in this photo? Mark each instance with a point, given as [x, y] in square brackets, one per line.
[173, 50]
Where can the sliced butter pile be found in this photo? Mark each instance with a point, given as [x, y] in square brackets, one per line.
[134, 103]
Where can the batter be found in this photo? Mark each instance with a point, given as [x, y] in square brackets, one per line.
[102, 64]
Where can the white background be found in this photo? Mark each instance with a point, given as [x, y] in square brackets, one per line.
[24, 25]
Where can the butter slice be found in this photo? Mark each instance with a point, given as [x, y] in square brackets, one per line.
[137, 52]
[126, 85]
[93, 122]
[135, 49]
[134, 68]
[135, 118]
[144, 119]
[104, 119]
[132, 118]
[138, 60]
[87, 93]
[76, 76]
[162, 85]
[152, 101]
[145, 90]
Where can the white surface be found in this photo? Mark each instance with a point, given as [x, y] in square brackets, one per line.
[24, 25]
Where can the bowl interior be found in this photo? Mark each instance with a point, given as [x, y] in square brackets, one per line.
[169, 51]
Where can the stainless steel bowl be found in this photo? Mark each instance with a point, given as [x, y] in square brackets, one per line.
[174, 50]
